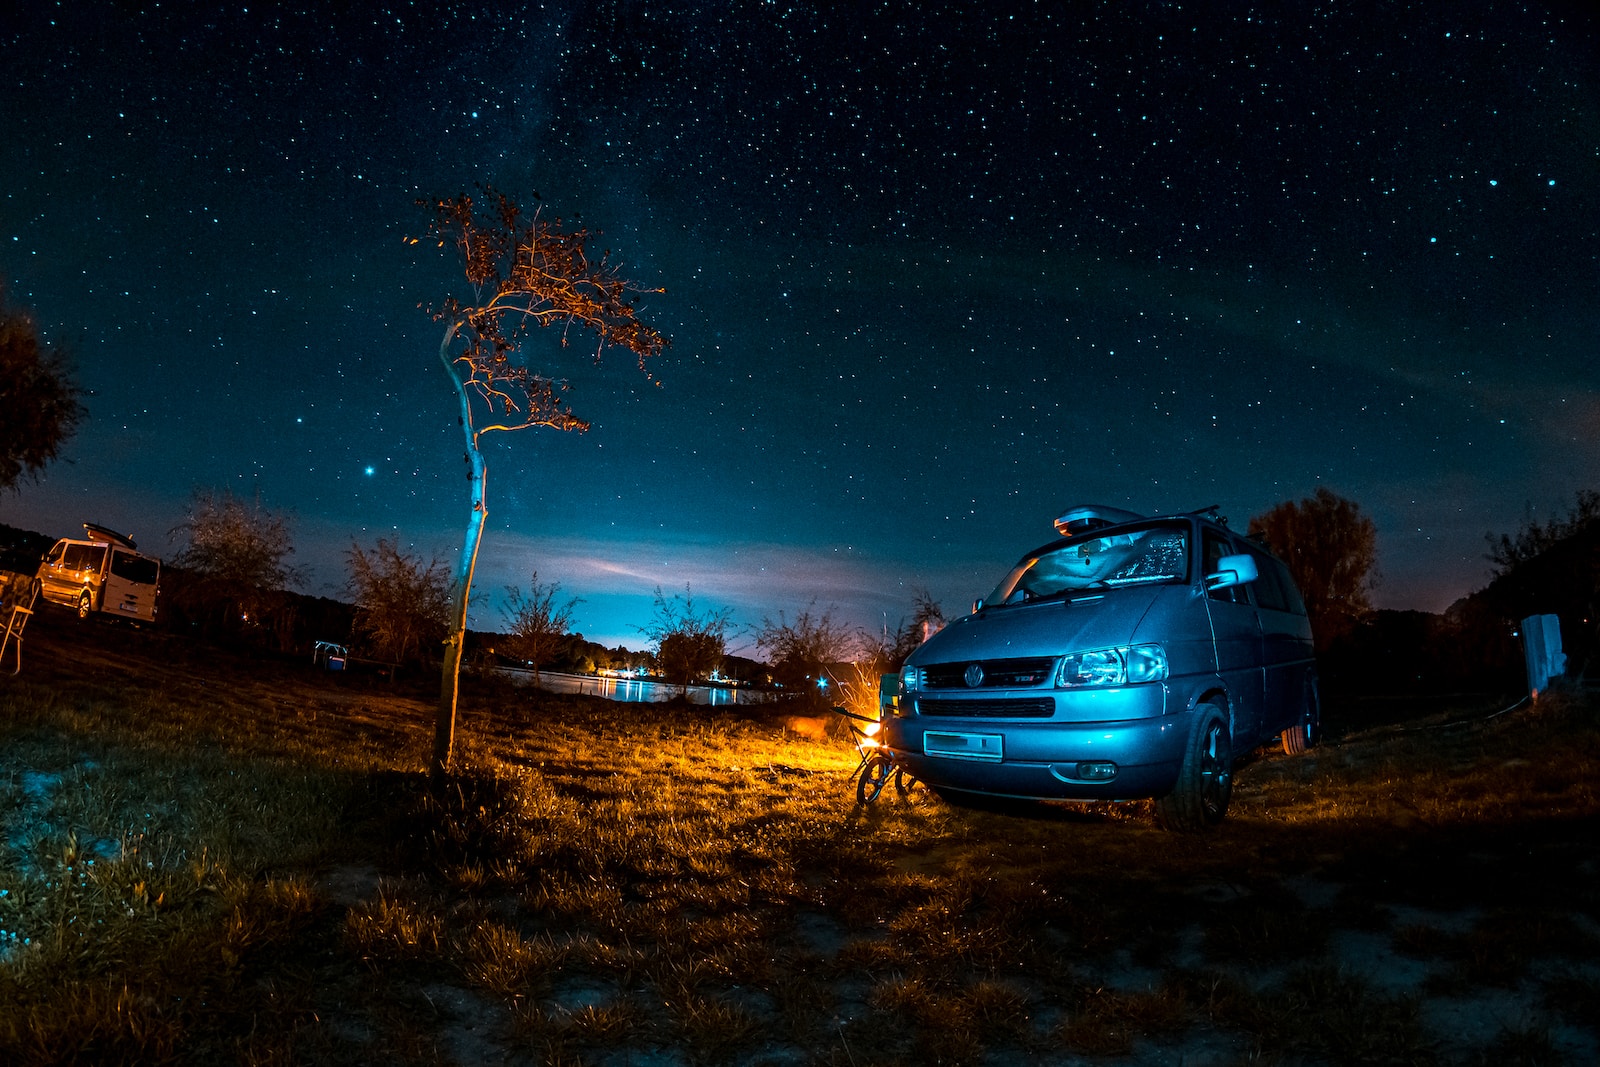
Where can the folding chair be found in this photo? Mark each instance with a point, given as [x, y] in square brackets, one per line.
[21, 611]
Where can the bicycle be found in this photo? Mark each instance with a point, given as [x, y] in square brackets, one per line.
[877, 764]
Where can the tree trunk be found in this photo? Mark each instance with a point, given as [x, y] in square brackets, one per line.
[450, 673]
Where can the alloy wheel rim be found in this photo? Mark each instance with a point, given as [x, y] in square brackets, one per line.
[1215, 772]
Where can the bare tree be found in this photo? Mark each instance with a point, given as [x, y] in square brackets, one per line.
[535, 623]
[1552, 568]
[927, 619]
[402, 604]
[803, 651]
[1331, 550]
[1508, 551]
[39, 407]
[525, 272]
[237, 554]
[689, 643]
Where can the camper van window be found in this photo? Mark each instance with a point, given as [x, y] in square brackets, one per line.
[1214, 547]
[141, 570]
[84, 557]
[1270, 593]
[1291, 592]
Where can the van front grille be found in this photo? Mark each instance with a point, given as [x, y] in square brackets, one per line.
[989, 709]
[997, 673]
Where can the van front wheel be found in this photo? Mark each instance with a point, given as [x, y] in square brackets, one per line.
[1199, 800]
[85, 604]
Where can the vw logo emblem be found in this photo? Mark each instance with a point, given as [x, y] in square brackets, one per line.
[974, 675]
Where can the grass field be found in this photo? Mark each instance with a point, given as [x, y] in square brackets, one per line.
[211, 859]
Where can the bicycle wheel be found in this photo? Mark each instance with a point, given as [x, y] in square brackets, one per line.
[874, 775]
[903, 781]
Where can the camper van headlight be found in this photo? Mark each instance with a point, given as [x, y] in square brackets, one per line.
[910, 678]
[1127, 665]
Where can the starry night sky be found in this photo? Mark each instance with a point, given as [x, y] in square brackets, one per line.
[934, 273]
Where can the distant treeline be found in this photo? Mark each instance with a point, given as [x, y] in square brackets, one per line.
[290, 623]
[1551, 568]
[21, 550]
[1473, 646]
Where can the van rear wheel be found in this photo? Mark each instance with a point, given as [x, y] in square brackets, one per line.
[1200, 798]
[1297, 739]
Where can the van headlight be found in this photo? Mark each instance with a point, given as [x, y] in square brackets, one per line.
[911, 679]
[1126, 665]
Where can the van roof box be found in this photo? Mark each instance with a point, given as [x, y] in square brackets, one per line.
[1086, 517]
[95, 532]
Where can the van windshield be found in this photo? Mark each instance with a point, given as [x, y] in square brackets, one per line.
[1156, 553]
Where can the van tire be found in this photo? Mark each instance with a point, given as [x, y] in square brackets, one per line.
[1297, 739]
[85, 604]
[1199, 800]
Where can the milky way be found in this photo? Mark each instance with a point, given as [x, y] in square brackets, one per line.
[933, 274]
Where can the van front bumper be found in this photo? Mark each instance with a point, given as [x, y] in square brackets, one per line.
[1042, 759]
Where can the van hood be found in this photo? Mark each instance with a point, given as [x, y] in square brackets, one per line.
[1051, 628]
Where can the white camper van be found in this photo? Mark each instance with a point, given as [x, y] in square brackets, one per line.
[102, 571]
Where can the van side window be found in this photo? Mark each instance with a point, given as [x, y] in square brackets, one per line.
[1270, 593]
[1291, 592]
[85, 558]
[1213, 547]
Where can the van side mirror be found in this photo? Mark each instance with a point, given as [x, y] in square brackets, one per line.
[1231, 571]
[977, 605]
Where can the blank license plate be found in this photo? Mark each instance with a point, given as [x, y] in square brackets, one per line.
[963, 746]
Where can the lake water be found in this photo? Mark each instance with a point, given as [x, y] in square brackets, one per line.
[633, 689]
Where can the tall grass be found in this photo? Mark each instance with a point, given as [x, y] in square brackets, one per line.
[202, 869]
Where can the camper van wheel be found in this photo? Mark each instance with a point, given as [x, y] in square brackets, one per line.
[85, 605]
[1298, 738]
[1199, 800]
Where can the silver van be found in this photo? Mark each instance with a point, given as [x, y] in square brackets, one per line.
[1130, 658]
[102, 571]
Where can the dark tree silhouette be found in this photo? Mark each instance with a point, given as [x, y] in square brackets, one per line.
[525, 271]
[39, 406]
[402, 603]
[236, 552]
[535, 623]
[1331, 549]
[1553, 568]
[887, 651]
[689, 643]
[802, 651]
[1534, 539]
[927, 619]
